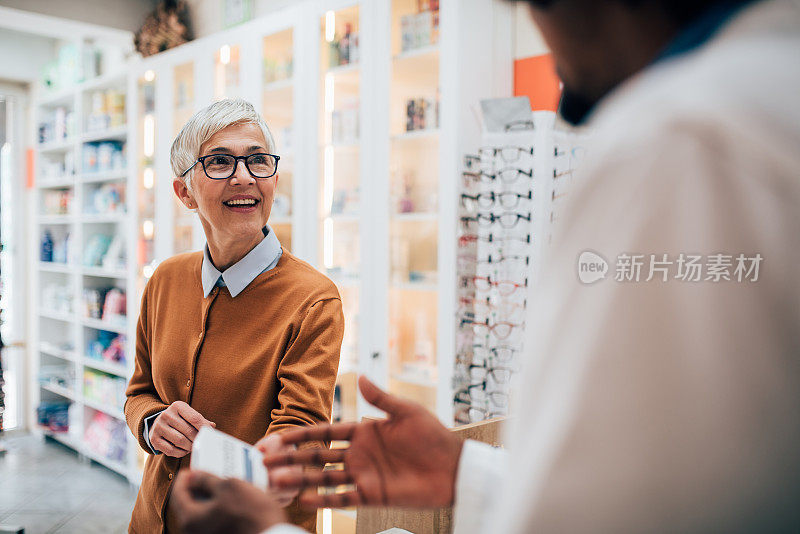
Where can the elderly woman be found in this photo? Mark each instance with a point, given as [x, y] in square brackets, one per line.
[242, 336]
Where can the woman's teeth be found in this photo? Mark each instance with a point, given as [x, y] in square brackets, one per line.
[243, 202]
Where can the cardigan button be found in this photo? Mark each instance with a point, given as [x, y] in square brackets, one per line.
[170, 476]
[189, 383]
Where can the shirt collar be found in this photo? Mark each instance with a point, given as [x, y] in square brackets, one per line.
[239, 275]
[576, 110]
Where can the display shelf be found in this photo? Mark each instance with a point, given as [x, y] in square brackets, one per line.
[98, 109]
[421, 52]
[107, 367]
[60, 391]
[103, 217]
[416, 216]
[111, 80]
[104, 273]
[416, 134]
[343, 217]
[118, 467]
[278, 85]
[109, 176]
[58, 316]
[407, 378]
[340, 71]
[113, 411]
[56, 219]
[62, 437]
[119, 133]
[54, 267]
[54, 351]
[415, 286]
[58, 183]
[104, 325]
[60, 98]
[56, 146]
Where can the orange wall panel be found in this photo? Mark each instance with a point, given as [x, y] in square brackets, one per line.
[535, 77]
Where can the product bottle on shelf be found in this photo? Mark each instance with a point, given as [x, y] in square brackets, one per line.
[333, 52]
[47, 247]
[344, 45]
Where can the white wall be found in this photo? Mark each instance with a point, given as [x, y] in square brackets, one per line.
[528, 39]
[121, 14]
[206, 15]
[24, 55]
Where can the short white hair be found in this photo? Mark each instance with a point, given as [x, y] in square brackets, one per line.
[204, 124]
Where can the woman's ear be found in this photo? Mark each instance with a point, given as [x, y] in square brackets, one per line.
[183, 193]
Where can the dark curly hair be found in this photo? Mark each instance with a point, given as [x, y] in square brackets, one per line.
[679, 10]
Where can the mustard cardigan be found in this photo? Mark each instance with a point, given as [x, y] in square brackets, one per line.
[256, 364]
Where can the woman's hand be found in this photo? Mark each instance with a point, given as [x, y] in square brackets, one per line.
[272, 445]
[175, 428]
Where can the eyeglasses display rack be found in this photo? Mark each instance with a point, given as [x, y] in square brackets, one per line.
[512, 192]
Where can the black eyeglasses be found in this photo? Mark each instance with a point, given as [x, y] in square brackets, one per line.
[503, 353]
[506, 220]
[507, 153]
[507, 199]
[223, 166]
[468, 239]
[507, 175]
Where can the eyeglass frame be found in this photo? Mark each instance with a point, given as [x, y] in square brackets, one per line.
[202, 161]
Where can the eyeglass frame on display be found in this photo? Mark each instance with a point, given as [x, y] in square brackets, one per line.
[492, 218]
[500, 150]
[494, 197]
[466, 239]
[491, 328]
[476, 176]
[474, 279]
[236, 159]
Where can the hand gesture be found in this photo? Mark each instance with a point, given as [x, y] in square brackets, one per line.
[206, 504]
[409, 459]
[175, 428]
[272, 445]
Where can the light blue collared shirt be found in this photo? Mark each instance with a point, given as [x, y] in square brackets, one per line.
[238, 276]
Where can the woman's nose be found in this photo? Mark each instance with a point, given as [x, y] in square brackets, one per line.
[241, 174]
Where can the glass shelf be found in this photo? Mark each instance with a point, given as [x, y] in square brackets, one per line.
[146, 187]
[339, 213]
[183, 103]
[278, 112]
[414, 200]
[227, 79]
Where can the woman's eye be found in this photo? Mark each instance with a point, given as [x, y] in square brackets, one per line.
[258, 160]
[220, 160]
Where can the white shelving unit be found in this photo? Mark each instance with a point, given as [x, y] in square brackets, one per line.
[296, 101]
[62, 336]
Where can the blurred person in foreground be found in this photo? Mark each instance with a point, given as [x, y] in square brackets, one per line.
[664, 405]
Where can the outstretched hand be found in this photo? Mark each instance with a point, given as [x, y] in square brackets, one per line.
[408, 459]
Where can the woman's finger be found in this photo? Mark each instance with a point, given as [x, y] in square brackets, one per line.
[176, 438]
[192, 416]
[181, 425]
[167, 447]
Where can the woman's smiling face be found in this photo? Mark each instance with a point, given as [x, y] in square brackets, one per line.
[236, 209]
